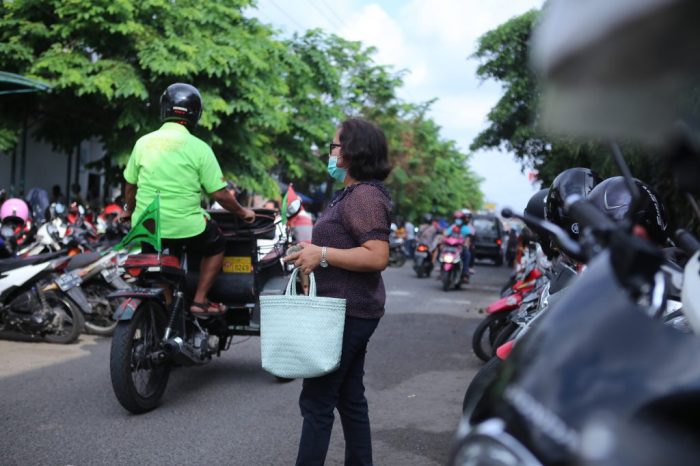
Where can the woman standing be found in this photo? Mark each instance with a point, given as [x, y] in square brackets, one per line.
[350, 248]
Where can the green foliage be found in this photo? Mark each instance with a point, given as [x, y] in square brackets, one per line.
[270, 105]
[503, 56]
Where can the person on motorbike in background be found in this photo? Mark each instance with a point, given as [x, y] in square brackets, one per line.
[460, 229]
[176, 165]
[468, 217]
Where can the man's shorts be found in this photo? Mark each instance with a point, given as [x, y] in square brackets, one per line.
[208, 243]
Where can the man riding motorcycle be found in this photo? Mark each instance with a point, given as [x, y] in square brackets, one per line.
[176, 165]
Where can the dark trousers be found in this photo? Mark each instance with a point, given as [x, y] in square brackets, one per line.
[342, 389]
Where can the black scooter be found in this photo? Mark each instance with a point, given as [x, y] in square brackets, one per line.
[423, 260]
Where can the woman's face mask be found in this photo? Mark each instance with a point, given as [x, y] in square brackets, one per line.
[336, 172]
[458, 221]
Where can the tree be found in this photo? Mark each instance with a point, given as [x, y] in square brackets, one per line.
[503, 54]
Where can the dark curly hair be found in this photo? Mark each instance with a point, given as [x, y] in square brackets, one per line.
[364, 150]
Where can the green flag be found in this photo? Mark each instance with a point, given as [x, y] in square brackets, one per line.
[283, 209]
[146, 229]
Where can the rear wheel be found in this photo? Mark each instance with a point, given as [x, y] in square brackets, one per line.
[67, 319]
[138, 379]
[100, 322]
[484, 336]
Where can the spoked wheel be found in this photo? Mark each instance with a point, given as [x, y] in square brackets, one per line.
[138, 378]
[485, 334]
[67, 319]
[100, 322]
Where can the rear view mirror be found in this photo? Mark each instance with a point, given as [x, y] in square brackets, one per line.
[293, 208]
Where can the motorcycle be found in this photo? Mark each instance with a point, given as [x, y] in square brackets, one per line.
[533, 418]
[155, 332]
[450, 260]
[37, 305]
[98, 276]
[397, 257]
[422, 261]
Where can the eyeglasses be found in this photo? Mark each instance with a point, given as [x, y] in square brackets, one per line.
[332, 146]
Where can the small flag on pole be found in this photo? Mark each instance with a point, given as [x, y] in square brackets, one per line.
[146, 229]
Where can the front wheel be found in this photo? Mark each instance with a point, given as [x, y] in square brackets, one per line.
[138, 378]
[446, 280]
[484, 337]
[67, 319]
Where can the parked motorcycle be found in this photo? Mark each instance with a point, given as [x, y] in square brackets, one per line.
[397, 256]
[423, 260]
[34, 304]
[153, 334]
[450, 260]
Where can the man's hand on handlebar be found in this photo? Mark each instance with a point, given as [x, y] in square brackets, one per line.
[249, 216]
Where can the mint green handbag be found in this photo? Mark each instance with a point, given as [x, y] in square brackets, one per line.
[301, 336]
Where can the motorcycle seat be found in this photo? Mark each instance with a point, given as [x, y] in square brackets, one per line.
[17, 262]
[81, 260]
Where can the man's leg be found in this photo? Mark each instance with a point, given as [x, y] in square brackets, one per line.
[208, 270]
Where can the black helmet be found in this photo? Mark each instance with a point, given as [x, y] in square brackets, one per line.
[613, 197]
[536, 207]
[579, 181]
[181, 102]
[427, 218]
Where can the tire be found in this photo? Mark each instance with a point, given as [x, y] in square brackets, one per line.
[504, 335]
[479, 384]
[71, 318]
[483, 339]
[499, 261]
[142, 333]
[101, 321]
[400, 260]
[284, 379]
[446, 281]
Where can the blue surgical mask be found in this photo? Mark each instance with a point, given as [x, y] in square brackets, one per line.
[458, 221]
[334, 170]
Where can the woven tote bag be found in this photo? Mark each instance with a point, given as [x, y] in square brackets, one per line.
[301, 336]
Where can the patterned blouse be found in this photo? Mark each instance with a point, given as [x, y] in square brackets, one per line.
[356, 214]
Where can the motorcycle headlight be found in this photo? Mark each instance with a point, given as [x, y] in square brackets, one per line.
[448, 258]
[488, 444]
[7, 231]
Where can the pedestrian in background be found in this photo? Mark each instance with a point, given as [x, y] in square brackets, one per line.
[410, 244]
[350, 243]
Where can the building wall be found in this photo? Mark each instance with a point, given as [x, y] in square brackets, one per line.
[46, 168]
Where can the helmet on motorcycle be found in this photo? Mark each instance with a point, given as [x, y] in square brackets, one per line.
[458, 214]
[14, 208]
[181, 103]
[112, 209]
[614, 198]
[536, 208]
[574, 181]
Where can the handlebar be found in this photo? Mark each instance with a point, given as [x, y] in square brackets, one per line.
[687, 242]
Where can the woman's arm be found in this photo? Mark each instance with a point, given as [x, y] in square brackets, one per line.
[371, 256]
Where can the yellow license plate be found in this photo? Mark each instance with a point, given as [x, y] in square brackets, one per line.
[237, 264]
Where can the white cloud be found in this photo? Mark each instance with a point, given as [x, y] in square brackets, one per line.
[432, 41]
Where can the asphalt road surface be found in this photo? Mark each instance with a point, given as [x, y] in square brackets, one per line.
[57, 406]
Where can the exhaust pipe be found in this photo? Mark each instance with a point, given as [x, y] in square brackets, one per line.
[181, 353]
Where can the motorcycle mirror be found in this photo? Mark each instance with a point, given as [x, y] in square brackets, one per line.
[294, 208]
[570, 247]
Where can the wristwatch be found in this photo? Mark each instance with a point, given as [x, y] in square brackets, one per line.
[324, 257]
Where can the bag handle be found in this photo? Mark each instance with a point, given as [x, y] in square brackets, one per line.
[292, 289]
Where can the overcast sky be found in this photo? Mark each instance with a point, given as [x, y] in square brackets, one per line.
[432, 40]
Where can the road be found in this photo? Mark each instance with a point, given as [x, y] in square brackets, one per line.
[57, 405]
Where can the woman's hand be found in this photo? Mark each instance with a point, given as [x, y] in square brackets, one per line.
[307, 259]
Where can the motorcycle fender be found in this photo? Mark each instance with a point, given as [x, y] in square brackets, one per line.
[78, 296]
[447, 267]
[505, 304]
[126, 309]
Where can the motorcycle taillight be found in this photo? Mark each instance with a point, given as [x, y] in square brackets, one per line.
[134, 271]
